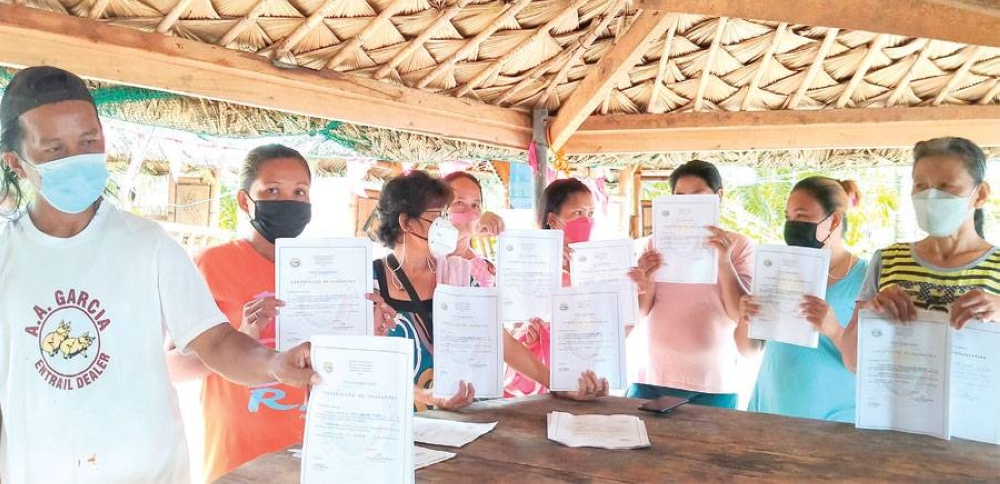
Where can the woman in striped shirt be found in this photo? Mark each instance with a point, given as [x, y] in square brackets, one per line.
[954, 269]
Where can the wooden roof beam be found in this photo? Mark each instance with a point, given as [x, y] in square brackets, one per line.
[171, 18]
[776, 130]
[395, 7]
[765, 64]
[874, 49]
[706, 72]
[958, 76]
[499, 63]
[581, 49]
[244, 23]
[824, 50]
[288, 44]
[622, 57]
[103, 51]
[966, 21]
[509, 12]
[443, 18]
[904, 83]
[662, 66]
[991, 95]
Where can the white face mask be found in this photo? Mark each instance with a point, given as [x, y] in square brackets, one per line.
[939, 213]
[442, 237]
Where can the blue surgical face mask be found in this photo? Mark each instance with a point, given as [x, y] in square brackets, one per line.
[71, 185]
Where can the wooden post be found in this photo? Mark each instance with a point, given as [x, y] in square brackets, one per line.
[540, 124]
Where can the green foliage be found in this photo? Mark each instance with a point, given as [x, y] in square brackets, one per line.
[227, 209]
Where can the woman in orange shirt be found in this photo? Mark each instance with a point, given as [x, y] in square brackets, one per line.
[244, 423]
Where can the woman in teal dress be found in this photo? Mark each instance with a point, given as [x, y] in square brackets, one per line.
[804, 382]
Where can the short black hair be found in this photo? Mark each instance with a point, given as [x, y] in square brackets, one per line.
[555, 195]
[701, 169]
[260, 155]
[411, 194]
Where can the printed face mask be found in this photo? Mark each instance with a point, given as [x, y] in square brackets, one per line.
[940, 213]
[72, 184]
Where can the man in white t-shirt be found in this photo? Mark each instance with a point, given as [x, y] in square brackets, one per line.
[88, 294]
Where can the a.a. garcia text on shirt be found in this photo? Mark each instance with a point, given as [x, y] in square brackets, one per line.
[68, 334]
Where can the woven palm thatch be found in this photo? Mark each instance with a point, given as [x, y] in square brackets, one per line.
[528, 54]
[804, 159]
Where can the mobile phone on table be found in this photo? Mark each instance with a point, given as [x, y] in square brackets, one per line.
[663, 405]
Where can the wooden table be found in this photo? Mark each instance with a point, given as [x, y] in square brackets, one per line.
[692, 444]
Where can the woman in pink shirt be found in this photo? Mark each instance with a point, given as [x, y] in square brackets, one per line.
[690, 328]
[568, 205]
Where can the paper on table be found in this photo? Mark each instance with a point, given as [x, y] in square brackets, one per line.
[323, 283]
[421, 457]
[468, 341]
[607, 263]
[448, 432]
[587, 333]
[427, 457]
[783, 275]
[614, 432]
[359, 420]
[529, 268]
[902, 381]
[681, 237]
[975, 382]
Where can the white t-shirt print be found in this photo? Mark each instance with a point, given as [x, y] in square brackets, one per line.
[84, 388]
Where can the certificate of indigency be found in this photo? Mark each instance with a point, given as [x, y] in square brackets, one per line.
[587, 333]
[607, 263]
[529, 268]
[468, 341]
[359, 420]
[975, 382]
[323, 283]
[782, 275]
[903, 374]
[681, 237]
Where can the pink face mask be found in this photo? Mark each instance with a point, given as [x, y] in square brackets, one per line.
[464, 219]
[578, 229]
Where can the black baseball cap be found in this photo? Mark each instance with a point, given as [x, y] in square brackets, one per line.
[34, 87]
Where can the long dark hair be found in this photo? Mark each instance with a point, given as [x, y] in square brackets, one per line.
[833, 195]
[971, 155]
[555, 195]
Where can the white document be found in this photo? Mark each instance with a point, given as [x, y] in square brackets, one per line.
[903, 374]
[529, 268]
[975, 382]
[681, 236]
[422, 457]
[615, 432]
[468, 341]
[359, 420]
[783, 275]
[587, 333]
[448, 432]
[427, 457]
[323, 283]
[606, 263]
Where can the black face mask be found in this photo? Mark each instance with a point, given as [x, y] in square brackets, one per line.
[803, 234]
[280, 219]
